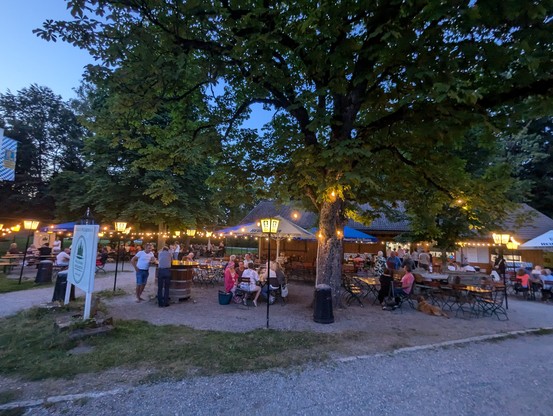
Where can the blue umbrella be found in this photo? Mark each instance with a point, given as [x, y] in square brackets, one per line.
[66, 226]
[351, 234]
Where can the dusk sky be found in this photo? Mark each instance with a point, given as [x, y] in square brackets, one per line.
[27, 59]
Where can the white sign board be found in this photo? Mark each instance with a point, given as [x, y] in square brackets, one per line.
[82, 264]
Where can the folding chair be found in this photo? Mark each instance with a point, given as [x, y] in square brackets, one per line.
[353, 290]
[101, 263]
[241, 290]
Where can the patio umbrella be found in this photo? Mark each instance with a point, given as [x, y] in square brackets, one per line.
[66, 226]
[351, 234]
[544, 241]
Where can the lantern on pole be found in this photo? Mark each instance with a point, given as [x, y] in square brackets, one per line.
[269, 226]
[120, 226]
[30, 226]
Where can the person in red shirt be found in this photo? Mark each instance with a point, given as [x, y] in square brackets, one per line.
[523, 277]
[406, 282]
[231, 278]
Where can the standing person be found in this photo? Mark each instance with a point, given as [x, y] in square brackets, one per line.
[386, 281]
[424, 260]
[500, 265]
[221, 252]
[163, 277]
[415, 257]
[57, 247]
[379, 263]
[393, 262]
[62, 259]
[400, 253]
[176, 252]
[141, 263]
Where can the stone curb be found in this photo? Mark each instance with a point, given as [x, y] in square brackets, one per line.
[444, 344]
[94, 395]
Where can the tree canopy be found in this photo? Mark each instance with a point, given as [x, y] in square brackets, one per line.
[373, 101]
[50, 140]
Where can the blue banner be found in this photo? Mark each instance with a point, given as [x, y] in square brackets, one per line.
[8, 152]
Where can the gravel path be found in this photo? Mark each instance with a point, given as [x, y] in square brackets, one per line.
[509, 377]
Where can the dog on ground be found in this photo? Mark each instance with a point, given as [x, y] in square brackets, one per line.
[424, 306]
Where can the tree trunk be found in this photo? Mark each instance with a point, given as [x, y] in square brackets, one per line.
[330, 248]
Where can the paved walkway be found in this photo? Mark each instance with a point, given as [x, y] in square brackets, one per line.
[13, 302]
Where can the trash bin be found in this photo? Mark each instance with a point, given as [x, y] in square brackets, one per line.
[323, 305]
[60, 288]
[44, 272]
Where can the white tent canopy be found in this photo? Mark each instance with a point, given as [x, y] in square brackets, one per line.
[286, 229]
[544, 241]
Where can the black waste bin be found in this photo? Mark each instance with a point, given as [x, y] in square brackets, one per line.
[60, 288]
[44, 272]
[323, 305]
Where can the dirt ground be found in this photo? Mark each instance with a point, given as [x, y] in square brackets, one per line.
[377, 330]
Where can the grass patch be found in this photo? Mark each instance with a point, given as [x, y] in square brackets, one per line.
[12, 285]
[31, 347]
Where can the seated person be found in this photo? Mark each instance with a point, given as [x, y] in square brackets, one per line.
[62, 259]
[231, 279]
[546, 290]
[103, 256]
[406, 283]
[281, 277]
[523, 280]
[272, 275]
[44, 251]
[251, 274]
[536, 272]
[13, 249]
[453, 266]
[468, 268]
[241, 268]
[31, 250]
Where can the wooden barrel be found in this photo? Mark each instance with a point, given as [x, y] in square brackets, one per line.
[181, 282]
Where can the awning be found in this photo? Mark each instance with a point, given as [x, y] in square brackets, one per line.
[544, 241]
[66, 226]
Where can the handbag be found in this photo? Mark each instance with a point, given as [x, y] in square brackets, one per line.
[284, 291]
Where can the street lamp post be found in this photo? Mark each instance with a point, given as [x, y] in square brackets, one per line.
[503, 239]
[269, 226]
[30, 226]
[120, 227]
[511, 245]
